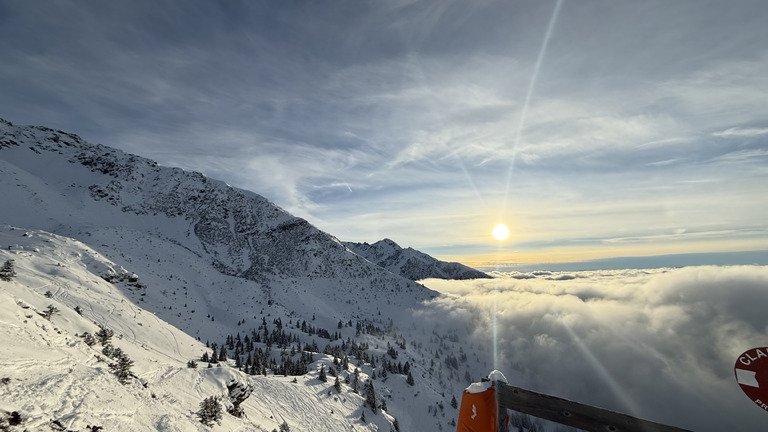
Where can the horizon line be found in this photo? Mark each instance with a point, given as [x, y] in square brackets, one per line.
[758, 257]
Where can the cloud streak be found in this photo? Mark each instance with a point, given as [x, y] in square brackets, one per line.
[741, 132]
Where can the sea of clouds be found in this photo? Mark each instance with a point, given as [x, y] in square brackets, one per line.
[659, 344]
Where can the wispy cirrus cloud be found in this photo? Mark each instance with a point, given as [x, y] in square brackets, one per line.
[741, 132]
[416, 106]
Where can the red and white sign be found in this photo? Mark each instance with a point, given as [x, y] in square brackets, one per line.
[752, 375]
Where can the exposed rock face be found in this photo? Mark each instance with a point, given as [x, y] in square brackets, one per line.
[241, 233]
[412, 264]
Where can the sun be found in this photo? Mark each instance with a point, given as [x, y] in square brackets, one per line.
[500, 232]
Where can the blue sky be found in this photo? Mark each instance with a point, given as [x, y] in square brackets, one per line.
[593, 129]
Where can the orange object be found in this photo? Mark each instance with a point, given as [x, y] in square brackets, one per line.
[478, 412]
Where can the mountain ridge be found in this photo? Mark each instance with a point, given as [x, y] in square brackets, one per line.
[229, 223]
[222, 215]
[216, 261]
[411, 263]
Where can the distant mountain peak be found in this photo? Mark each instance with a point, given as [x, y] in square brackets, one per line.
[411, 263]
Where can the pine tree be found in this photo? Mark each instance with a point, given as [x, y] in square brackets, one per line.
[370, 397]
[7, 271]
[104, 335]
[356, 381]
[454, 404]
[108, 350]
[88, 339]
[122, 367]
[284, 427]
[210, 411]
[337, 384]
[322, 376]
[410, 379]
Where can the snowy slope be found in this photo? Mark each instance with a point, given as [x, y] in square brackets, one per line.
[214, 261]
[126, 205]
[411, 263]
[54, 376]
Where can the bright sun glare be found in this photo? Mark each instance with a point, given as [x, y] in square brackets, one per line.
[500, 232]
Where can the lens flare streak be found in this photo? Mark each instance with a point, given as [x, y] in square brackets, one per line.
[597, 366]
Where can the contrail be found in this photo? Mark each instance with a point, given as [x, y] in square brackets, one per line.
[531, 86]
[520, 125]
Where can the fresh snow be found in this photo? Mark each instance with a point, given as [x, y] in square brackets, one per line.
[55, 376]
[193, 260]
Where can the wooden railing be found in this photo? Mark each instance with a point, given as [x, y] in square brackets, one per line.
[570, 413]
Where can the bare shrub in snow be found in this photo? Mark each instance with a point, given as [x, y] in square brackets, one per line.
[49, 312]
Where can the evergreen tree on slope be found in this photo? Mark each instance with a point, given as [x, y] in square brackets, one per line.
[370, 397]
[7, 271]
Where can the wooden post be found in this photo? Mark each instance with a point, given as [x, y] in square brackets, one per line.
[570, 413]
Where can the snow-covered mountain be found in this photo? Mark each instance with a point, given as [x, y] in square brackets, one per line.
[54, 377]
[411, 263]
[205, 262]
[123, 203]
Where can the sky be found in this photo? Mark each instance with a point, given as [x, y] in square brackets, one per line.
[592, 129]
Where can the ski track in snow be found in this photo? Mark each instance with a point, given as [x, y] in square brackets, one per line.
[289, 405]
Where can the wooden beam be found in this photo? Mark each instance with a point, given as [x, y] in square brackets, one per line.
[580, 416]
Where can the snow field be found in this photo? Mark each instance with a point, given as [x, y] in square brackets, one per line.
[55, 376]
